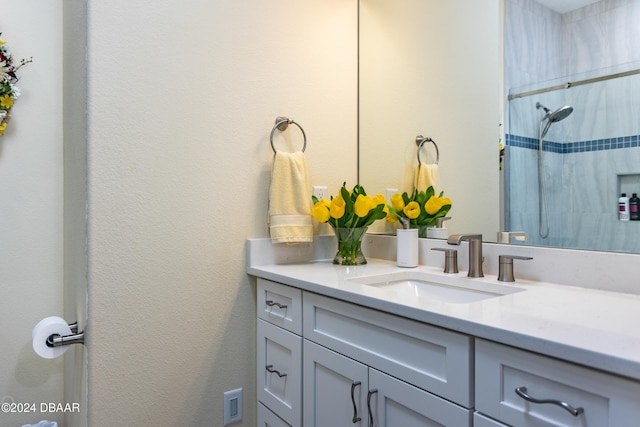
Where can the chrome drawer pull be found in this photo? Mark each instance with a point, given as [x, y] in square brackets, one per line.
[355, 418]
[270, 369]
[522, 392]
[271, 303]
[371, 393]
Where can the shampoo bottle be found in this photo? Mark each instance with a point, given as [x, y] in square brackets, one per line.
[623, 207]
[634, 207]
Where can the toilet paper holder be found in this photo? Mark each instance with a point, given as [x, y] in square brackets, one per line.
[55, 340]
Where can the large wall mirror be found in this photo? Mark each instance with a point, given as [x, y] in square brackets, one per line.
[431, 68]
[470, 75]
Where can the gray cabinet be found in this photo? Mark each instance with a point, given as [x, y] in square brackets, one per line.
[324, 362]
[279, 355]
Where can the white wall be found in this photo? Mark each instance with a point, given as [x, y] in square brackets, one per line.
[31, 192]
[182, 98]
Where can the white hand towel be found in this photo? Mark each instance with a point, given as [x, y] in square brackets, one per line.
[427, 176]
[290, 199]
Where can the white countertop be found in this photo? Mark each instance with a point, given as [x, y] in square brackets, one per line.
[591, 327]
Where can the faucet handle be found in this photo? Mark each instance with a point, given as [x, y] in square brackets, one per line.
[440, 221]
[505, 267]
[505, 236]
[450, 259]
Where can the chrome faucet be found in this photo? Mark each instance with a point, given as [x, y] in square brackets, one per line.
[475, 251]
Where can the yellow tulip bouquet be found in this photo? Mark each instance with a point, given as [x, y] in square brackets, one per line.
[421, 209]
[349, 214]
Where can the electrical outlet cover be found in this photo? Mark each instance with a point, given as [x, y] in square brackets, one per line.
[320, 191]
[391, 192]
[232, 406]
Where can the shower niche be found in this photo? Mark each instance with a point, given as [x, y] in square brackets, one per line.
[628, 183]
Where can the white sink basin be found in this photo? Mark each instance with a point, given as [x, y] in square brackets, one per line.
[426, 287]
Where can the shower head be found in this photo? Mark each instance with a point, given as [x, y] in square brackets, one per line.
[552, 117]
[560, 114]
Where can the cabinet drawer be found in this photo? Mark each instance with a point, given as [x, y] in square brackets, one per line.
[606, 400]
[480, 420]
[280, 371]
[430, 358]
[266, 418]
[280, 305]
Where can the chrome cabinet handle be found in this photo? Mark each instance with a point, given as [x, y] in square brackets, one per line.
[270, 369]
[371, 393]
[271, 303]
[522, 392]
[355, 418]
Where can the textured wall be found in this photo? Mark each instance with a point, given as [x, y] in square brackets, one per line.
[182, 98]
[31, 191]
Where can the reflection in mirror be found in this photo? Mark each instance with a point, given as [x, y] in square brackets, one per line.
[588, 158]
[431, 67]
[586, 162]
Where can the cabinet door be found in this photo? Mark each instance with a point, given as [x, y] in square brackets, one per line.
[395, 403]
[335, 389]
[280, 371]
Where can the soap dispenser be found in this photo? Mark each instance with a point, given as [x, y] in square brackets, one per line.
[407, 241]
[439, 232]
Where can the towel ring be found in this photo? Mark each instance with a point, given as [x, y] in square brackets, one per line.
[420, 140]
[281, 124]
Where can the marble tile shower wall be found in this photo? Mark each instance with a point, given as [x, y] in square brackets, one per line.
[592, 155]
[600, 35]
[541, 44]
[531, 43]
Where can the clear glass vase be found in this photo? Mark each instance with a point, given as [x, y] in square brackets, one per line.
[350, 246]
[422, 230]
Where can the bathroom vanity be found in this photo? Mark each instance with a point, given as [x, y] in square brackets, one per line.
[342, 346]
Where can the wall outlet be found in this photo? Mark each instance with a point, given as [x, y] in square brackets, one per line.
[391, 192]
[232, 406]
[320, 191]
